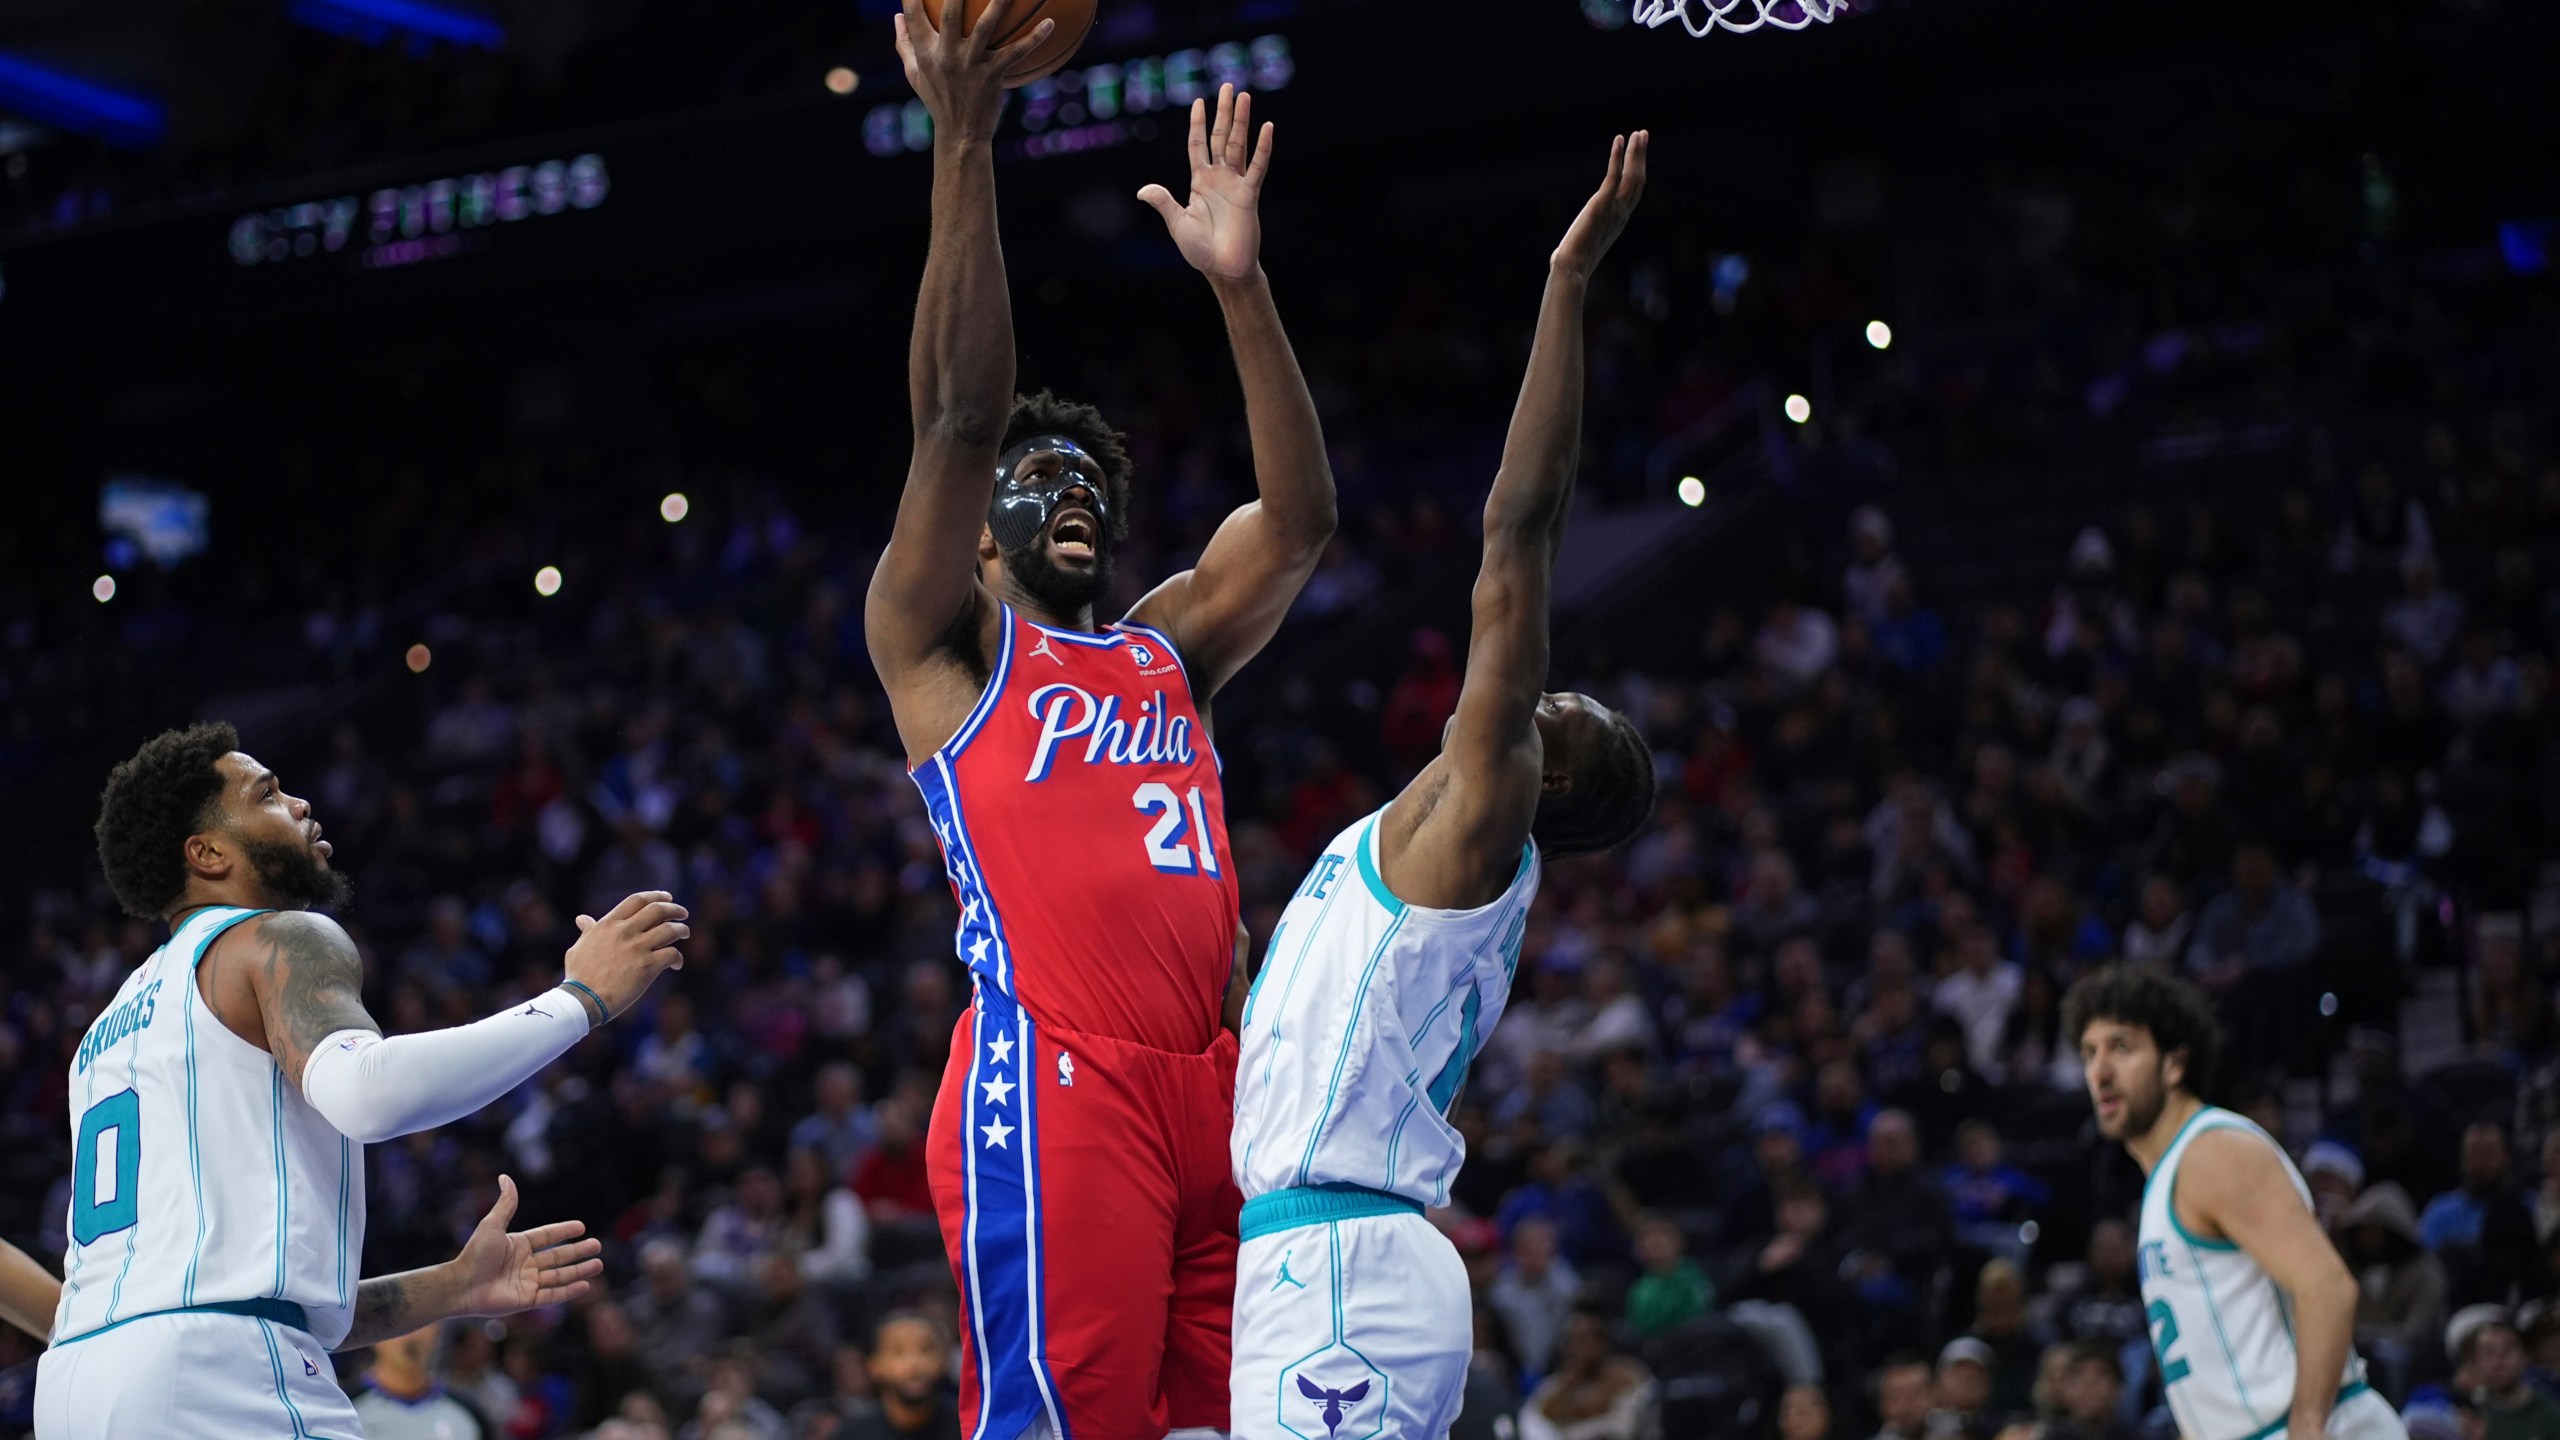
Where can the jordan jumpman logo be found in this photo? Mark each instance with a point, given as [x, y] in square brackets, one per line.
[1043, 649]
[1285, 1277]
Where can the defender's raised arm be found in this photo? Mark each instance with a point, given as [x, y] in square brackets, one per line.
[1223, 611]
[1494, 764]
[960, 361]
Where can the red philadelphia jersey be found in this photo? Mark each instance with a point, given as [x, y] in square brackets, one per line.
[1086, 838]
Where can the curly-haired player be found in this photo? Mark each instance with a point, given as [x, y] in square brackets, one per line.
[2252, 1312]
[1393, 962]
[221, 1102]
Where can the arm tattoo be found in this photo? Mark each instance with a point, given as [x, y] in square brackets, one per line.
[311, 987]
[389, 1305]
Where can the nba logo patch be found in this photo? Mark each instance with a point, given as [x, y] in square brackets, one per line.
[1066, 1068]
[1140, 653]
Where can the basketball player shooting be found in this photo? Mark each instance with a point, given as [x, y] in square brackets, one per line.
[2252, 1312]
[220, 1104]
[1078, 1148]
[1393, 961]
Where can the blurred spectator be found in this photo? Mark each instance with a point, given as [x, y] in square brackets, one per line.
[1596, 1392]
[2092, 1397]
[2161, 925]
[2000, 1323]
[2492, 1355]
[910, 1376]
[2482, 1230]
[2106, 1305]
[2402, 1291]
[1989, 1198]
[1980, 993]
[825, 1222]
[1904, 1394]
[1533, 1294]
[2336, 1178]
[1899, 1232]
[1796, 644]
[677, 1321]
[1804, 1413]
[1873, 567]
[839, 1129]
[2427, 617]
[1672, 1290]
[1960, 1400]
[401, 1398]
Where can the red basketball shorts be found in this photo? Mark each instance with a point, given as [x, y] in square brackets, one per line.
[1083, 1189]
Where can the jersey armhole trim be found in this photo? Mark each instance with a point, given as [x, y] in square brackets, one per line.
[978, 713]
[1369, 876]
[219, 929]
[2191, 1237]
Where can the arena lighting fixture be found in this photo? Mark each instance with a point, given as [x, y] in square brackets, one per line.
[842, 80]
[674, 507]
[546, 581]
[1879, 334]
[1693, 491]
[38, 93]
[103, 589]
[1799, 409]
[419, 658]
[377, 22]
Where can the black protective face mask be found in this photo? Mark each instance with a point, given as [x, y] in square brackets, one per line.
[1024, 503]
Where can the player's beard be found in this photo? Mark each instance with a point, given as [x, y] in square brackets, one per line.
[296, 878]
[2143, 1104]
[1061, 592]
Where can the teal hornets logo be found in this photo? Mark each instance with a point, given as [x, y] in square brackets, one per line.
[1333, 1402]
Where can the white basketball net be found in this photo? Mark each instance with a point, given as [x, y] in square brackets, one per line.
[1702, 16]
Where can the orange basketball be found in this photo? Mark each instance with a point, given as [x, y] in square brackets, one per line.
[1074, 17]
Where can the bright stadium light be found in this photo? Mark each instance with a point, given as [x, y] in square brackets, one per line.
[1799, 409]
[420, 657]
[546, 581]
[1879, 334]
[103, 588]
[1693, 491]
[842, 80]
[674, 507]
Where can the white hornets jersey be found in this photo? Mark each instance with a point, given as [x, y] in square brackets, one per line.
[199, 1177]
[1360, 1027]
[2222, 1330]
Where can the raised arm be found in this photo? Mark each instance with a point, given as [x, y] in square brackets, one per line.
[1225, 609]
[307, 982]
[1481, 803]
[2233, 1185]
[960, 358]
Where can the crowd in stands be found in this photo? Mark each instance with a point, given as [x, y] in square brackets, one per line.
[1780, 1134]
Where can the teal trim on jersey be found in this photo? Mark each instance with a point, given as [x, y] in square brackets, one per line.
[2277, 1427]
[2215, 1118]
[195, 1155]
[276, 1362]
[282, 1312]
[129, 1168]
[345, 1164]
[284, 1196]
[1277, 1034]
[1253, 991]
[1342, 1052]
[2230, 1356]
[1301, 1206]
[1444, 1086]
[1369, 871]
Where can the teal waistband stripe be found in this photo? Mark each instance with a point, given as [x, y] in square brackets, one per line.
[1306, 1205]
[281, 1312]
[2345, 1393]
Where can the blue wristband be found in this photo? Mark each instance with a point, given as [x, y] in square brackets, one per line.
[582, 988]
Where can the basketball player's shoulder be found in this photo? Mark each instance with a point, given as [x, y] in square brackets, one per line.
[2226, 1160]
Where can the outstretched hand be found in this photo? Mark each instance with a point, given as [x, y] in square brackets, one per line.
[958, 71]
[1220, 230]
[501, 1273]
[1604, 215]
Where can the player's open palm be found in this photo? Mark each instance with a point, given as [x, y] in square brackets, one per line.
[1220, 229]
[957, 70]
[1604, 215]
[502, 1272]
[619, 956]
